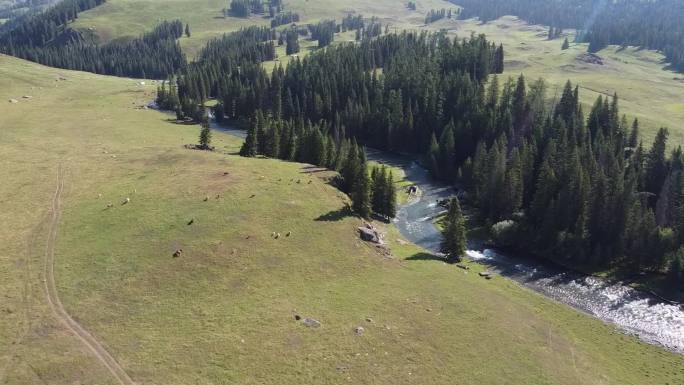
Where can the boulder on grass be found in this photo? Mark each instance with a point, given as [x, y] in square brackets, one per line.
[369, 235]
[312, 323]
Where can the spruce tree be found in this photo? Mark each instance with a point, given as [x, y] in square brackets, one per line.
[249, 147]
[350, 169]
[454, 233]
[390, 206]
[656, 164]
[447, 153]
[272, 147]
[378, 193]
[566, 44]
[187, 30]
[361, 188]
[433, 157]
[633, 141]
[205, 136]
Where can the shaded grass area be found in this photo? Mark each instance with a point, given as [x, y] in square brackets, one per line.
[224, 311]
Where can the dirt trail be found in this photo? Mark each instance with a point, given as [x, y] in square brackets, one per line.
[56, 305]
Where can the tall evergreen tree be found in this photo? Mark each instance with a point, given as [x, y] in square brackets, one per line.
[360, 194]
[390, 206]
[566, 44]
[205, 136]
[454, 233]
[249, 147]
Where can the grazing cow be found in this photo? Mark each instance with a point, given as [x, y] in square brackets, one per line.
[178, 253]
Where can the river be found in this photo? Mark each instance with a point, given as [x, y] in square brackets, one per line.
[635, 312]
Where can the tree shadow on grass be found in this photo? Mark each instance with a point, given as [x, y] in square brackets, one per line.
[336, 215]
[425, 257]
[181, 122]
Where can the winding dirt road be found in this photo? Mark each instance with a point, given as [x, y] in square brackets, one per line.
[56, 305]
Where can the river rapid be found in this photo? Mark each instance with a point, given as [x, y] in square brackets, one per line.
[635, 312]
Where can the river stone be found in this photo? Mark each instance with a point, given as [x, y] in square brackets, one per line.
[312, 323]
[485, 274]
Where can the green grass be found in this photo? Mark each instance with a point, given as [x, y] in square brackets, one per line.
[223, 313]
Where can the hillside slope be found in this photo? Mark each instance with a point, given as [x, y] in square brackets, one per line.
[224, 312]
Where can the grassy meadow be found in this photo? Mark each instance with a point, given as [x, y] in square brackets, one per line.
[224, 312]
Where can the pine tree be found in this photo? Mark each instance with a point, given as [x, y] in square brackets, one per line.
[566, 44]
[633, 141]
[390, 207]
[378, 192]
[360, 194]
[447, 153]
[519, 104]
[498, 67]
[454, 234]
[205, 136]
[272, 149]
[350, 169]
[433, 156]
[249, 147]
[187, 30]
[656, 164]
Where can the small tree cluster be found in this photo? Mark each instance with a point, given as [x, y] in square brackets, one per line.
[244, 8]
[438, 14]
[356, 181]
[167, 97]
[324, 32]
[370, 30]
[284, 18]
[383, 192]
[292, 41]
[554, 32]
[350, 22]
